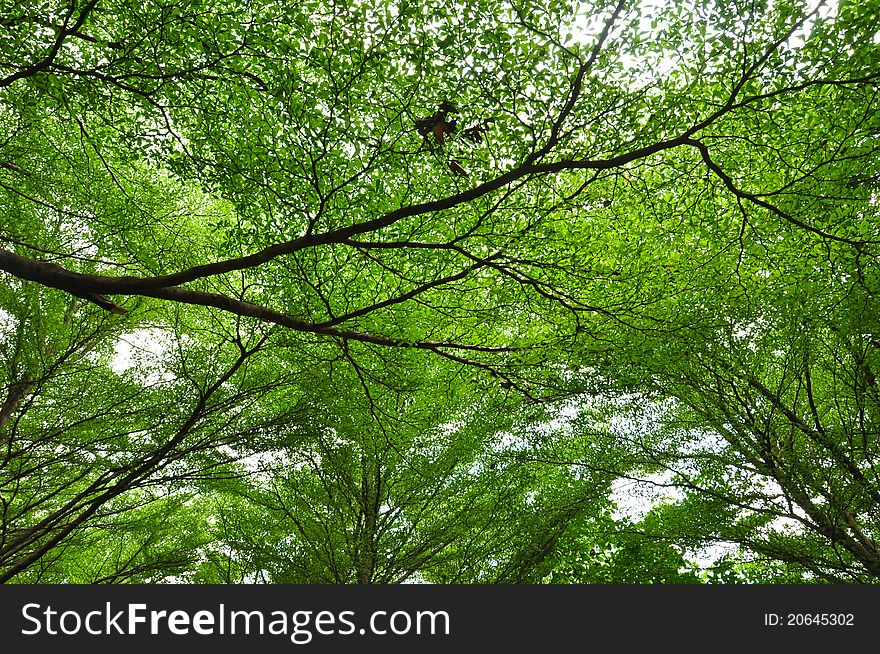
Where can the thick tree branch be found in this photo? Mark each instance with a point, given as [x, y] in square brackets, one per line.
[63, 33]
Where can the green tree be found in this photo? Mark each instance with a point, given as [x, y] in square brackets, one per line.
[305, 206]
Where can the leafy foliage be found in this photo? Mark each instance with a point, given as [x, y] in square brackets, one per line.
[258, 325]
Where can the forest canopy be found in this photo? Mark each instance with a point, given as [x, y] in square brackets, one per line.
[542, 291]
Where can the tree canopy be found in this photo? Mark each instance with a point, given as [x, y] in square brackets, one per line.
[372, 292]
